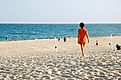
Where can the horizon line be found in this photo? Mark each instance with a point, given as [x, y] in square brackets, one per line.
[59, 22]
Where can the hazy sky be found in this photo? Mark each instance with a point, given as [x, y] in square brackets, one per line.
[60, 10]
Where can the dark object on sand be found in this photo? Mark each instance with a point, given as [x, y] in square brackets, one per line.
[58, 39]
[55, 47]
[64, 39]
[109, 43]
[118, 46]
[96, 42]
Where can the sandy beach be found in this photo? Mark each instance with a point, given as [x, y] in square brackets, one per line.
[39, 60]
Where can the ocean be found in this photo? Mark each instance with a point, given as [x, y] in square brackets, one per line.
[45, 31]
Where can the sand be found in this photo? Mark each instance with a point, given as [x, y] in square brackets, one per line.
[39, 60]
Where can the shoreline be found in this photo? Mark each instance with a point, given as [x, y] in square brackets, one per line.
[57, 38]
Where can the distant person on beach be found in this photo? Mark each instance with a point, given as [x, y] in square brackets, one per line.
[64, 39]
[96, 42]
[58, 39]
[82, 36]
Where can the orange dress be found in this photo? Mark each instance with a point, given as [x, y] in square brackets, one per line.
[82, 36]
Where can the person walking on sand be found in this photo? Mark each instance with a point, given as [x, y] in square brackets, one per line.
[82, 36]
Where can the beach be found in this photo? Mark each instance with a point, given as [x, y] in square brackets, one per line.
[39, 59]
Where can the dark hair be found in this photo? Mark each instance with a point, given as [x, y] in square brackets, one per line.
[81, 24]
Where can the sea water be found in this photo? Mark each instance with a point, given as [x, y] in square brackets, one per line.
[45, 31]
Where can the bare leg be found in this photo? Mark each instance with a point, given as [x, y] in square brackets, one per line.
[83, 44]
[82, 49]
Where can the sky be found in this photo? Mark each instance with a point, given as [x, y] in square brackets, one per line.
[70, 11]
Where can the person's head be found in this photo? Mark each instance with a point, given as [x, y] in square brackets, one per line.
[81, 24]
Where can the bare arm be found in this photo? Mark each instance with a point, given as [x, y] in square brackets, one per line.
[87, 37]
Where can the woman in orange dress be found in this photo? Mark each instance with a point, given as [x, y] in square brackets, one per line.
[82, 36]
